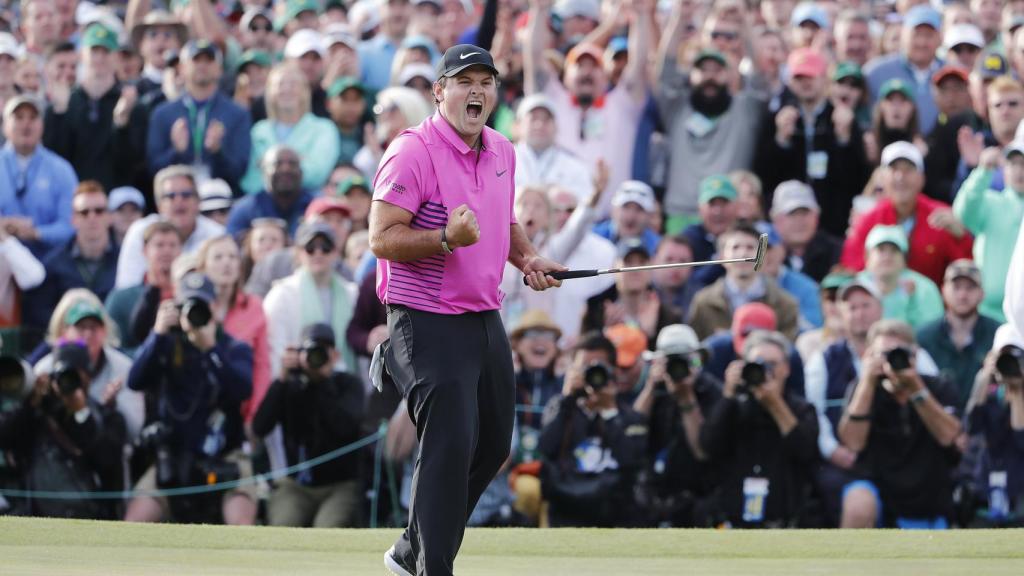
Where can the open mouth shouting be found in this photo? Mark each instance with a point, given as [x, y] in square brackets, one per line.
[475, 109]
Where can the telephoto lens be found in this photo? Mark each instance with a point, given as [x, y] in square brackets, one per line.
[677, 366]
[1009, 362]
[597, 376]
[898, 358]
[197, 311]
[68, 381]
[754, 373]
[316, 357]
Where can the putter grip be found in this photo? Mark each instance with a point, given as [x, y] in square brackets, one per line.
[567, 274]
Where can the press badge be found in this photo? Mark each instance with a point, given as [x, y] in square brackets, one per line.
[755, 491]
[699, 125]
[817, 164]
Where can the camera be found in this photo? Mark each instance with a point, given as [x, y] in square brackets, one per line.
[677, 366]
[597, 376]
[898, 358]
[317, 356]
[67, 378]
[15, 379]
[156, 438]
[1010, 361]
[755, 373]
[197, 311]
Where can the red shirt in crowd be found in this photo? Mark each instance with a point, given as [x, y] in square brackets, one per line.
[931, 249]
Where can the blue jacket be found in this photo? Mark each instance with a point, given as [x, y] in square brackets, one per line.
[228, 164]
[885, 68]
[64, 273]
[721, 352]
[805, 292]
[190, 386]
[606, 229]
[262, 206]
[50, 182]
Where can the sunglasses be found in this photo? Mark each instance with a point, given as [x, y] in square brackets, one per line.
[158, 32]
[93, 211]
[184, 195]
[539, 334]
[723, 35]
[322, 246]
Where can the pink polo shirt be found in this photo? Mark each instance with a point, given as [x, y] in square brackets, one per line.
[429, 171]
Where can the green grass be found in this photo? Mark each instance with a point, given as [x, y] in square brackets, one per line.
[59, 547]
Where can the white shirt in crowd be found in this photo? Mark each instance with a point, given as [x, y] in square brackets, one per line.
[131, 264]
[554, 166]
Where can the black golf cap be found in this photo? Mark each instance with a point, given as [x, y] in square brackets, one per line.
[317, 334]
[462, 56]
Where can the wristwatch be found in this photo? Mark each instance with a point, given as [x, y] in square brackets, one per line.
[444, 242]
[919, 396]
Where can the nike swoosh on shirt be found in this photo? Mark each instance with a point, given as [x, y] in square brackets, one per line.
[464, 56]
[501, 173]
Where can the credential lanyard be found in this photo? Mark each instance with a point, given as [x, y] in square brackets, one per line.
[197, 126]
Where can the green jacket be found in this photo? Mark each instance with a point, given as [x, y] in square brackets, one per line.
[315, 140]
[994, 219]
[916, 307]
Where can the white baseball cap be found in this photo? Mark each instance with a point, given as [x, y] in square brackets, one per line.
[125, 195]
[9, 45]
[1006, 335]
[635, 191]
[303, 42]
[532, 102]
[339, 34]
[902, 150]
[416, 70]
[677, 339]
[792, 195]
[214, 194]
[963, 34]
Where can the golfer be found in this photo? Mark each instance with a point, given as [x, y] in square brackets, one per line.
[442, 227]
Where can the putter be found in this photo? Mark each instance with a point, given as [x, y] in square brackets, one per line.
[758, 260]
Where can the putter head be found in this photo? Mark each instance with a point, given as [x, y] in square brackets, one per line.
[762, 247]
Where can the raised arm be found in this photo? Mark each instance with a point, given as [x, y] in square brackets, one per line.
[668, 50]
[536, 72]
[634, 77]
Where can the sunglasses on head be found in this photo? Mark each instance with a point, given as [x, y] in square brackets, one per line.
[321, 245]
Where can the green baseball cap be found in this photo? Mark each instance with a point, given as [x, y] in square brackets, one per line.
[709, 54]
[352, 182]
[257, 57]
[895, 85]
[716, 187]
[292, 10]
[82, 310]
[845, 70]
[887, 235]
[344, 83]
[835, 280]
[98, 35]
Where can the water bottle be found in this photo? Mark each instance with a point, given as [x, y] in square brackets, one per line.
[998, 501]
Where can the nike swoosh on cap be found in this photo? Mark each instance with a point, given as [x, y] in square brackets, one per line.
[464, 56]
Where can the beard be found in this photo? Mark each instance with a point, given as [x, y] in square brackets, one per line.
[712, 105]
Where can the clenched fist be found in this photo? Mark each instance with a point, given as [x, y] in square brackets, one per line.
[462, 229]
[785, 124]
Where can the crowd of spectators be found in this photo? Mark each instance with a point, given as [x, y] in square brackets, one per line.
[187, 294]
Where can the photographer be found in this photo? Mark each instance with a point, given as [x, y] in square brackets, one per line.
[904, 427]
[592, 445]
[996, 411]
[63, 440]
[319, 410]
[676, 396]
[762, 438]
[199, 376]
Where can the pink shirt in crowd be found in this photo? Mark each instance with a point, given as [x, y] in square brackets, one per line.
[429, 171]
[245, 322]
[605, 130]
